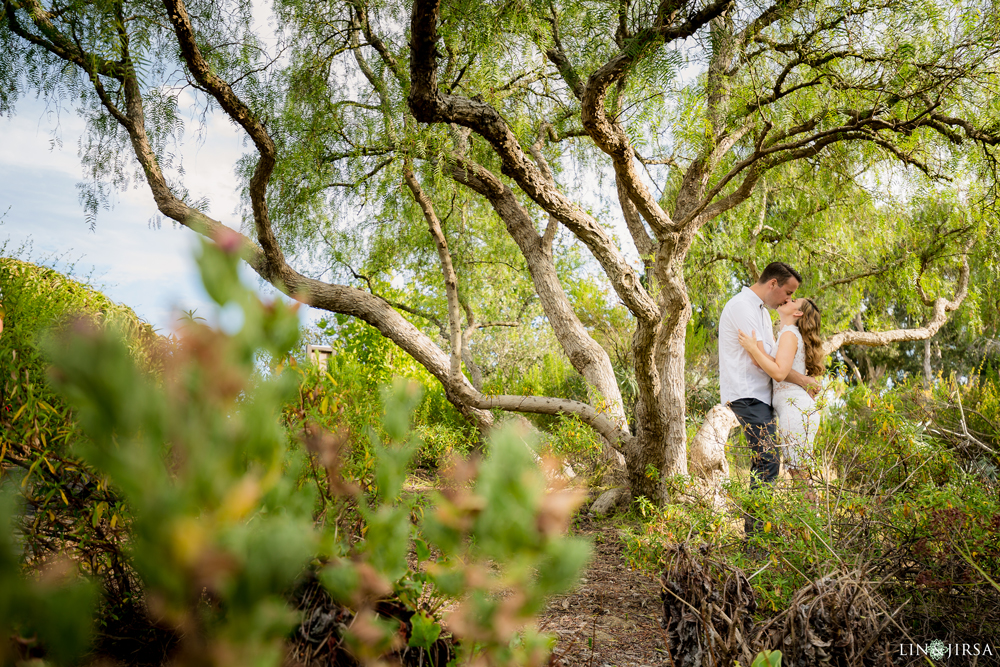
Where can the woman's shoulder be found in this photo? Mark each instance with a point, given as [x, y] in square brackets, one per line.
[790, 328]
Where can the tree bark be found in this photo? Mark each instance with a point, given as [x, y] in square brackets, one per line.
[928, 371]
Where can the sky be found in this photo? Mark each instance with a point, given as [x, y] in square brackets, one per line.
[144, 266]
[147, 267]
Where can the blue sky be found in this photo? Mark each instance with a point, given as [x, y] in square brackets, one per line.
[131, 261]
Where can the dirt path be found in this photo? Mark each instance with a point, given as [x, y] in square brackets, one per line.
[613, 617]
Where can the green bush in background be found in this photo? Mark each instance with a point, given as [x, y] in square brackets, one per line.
[64, 509]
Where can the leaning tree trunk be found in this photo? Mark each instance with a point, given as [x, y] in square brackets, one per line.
[585, 354]
[676, 308]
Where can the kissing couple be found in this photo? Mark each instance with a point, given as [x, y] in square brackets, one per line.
[767, 381]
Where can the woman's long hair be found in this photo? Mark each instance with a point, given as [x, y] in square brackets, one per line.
[809, 325]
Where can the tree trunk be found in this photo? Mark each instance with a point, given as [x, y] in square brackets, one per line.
[660, 449]
[928, 371]
[585, 354]
[673, 399]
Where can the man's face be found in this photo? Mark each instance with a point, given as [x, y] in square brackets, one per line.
[778, 295]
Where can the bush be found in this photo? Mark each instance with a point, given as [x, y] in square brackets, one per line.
[65, 509]
[219, 512]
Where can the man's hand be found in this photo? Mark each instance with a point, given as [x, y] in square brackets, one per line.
[813, 387]
[807, 382]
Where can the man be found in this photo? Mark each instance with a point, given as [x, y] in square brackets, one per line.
[745, 388]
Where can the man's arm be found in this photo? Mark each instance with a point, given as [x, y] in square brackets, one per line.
[807, 382]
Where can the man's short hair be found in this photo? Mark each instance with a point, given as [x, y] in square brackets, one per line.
[779, 270]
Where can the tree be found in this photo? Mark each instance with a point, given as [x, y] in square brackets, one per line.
[488, 106]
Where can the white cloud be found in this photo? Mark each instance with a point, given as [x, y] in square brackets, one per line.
[29, 139]
[148, 269]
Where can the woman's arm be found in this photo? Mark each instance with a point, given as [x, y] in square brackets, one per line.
[777, 367]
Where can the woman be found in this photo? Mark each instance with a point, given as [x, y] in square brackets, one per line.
[799, 348]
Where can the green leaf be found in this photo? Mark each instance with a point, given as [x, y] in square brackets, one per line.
[340, 580]
[423, 551]
[425, 631]
[767, 659]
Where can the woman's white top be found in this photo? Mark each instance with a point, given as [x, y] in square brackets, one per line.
[798, 418]
[787, 389]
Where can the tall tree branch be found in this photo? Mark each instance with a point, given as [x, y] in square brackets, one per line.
[430, 105]
[608, 134]
[447, 268]
[239, 112]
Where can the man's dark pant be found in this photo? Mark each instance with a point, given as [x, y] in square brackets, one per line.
[757, 419]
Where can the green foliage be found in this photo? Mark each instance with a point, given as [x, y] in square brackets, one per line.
[55, 608]
[701, 361]
[69, 511]
[425, 631]
[339, 396]
[220, 522]
[362, 362]
[570, 438]
[767, 659]
[200, 459]
[493, 528]
[926, 433]
[655, 527]
[440, 443]
[550, 375]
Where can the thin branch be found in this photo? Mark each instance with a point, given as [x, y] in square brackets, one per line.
[447, 269]
[379, 167]
[867, 273]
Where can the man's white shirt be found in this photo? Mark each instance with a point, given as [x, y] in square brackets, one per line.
[739, 377]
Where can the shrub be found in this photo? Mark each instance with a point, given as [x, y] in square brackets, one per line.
[219, 522]
[66, 510]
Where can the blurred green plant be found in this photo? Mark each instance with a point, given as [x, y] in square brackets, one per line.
[219, 525]
[492, 541]
[54, 608]
[217, 531]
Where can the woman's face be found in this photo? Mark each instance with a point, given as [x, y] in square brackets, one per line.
[790, 308]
